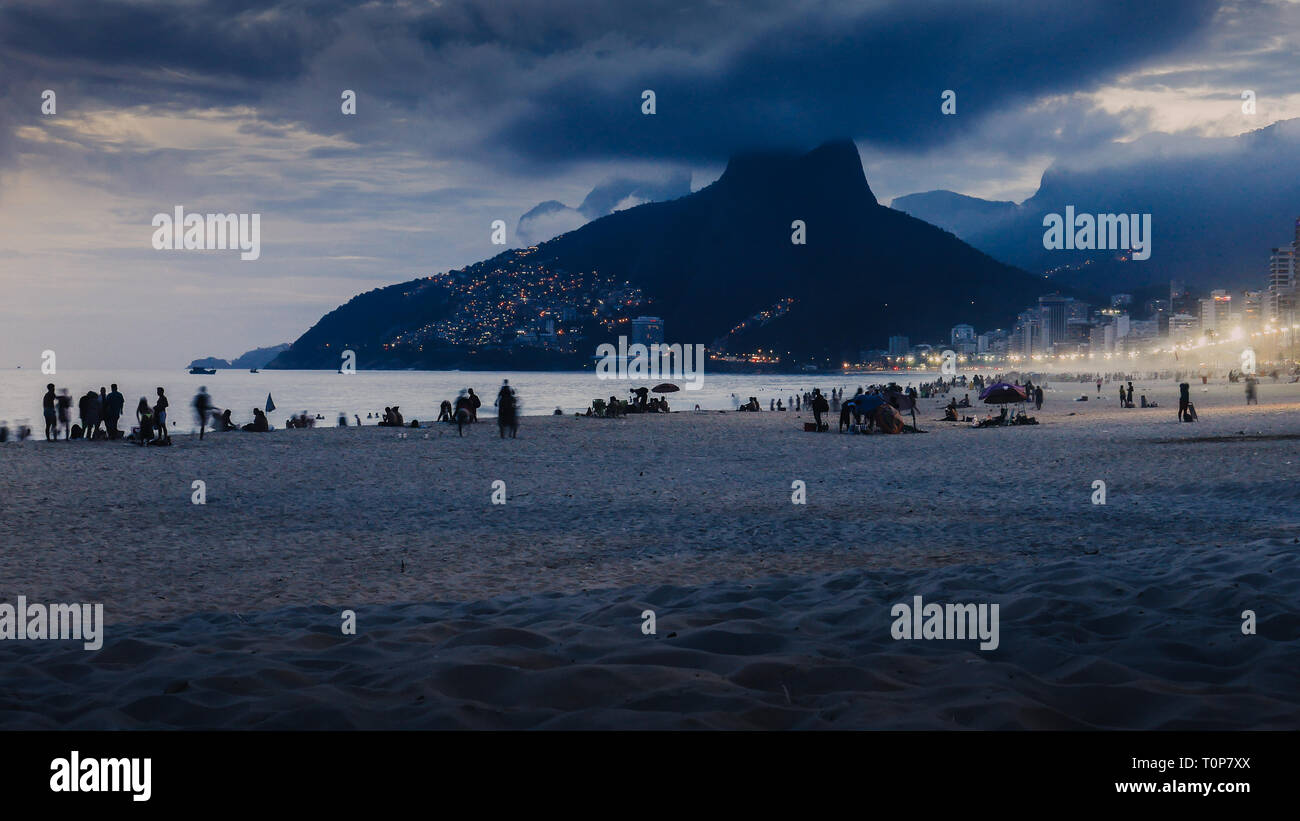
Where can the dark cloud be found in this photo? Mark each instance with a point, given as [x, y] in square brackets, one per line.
[558, 81]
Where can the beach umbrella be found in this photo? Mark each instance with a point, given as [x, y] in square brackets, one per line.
[666, 387]
[270, 406]
[866, 403]
[1002, 393]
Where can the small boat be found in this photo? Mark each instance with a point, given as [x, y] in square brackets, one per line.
[203, 371]
[252, 370]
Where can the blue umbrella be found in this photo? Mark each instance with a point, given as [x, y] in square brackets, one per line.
[866, 403]
[270, 406]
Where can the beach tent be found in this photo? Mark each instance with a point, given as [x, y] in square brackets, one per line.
[1002, 393]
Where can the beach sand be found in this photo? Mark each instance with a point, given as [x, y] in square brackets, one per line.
[768, 614]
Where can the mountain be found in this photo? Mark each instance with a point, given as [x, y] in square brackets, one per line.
[259, 357]
[962, 215]
[256, 358]
[550, 218]
[1218, 206]
[719, 266]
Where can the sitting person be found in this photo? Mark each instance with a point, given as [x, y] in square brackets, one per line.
[224, 424]
[964, 403]
[950, 413]
[259, 423]
[144, 417]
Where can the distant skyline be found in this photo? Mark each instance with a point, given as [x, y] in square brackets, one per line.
[470, 112]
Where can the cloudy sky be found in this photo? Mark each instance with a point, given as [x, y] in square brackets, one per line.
[469, 111]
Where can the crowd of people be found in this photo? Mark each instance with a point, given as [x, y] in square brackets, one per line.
[639, 401]
[99, 416]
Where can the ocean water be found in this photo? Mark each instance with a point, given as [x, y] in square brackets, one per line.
[417, 393]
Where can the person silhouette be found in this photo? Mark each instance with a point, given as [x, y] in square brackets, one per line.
[160, 416]
[48, 403]
[202, 407]
[507, 410]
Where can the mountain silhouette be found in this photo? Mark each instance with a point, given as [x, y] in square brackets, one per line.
[1218, 206]
[708, 261]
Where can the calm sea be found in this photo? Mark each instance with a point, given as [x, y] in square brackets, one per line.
[417, 393]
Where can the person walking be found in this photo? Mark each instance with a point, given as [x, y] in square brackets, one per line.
[203, 407]
[1184, 399]
[507, 410]
[1038, 398]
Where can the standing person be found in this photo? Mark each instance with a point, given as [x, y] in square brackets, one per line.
[113, 406]
[464, 413]
[1129, 401]
[1038, 398]
[103, 401]
[65, 413]
[1184, 399]
[1099, 387]
[475, 404]
[160, 416]
[88, 410]
[203, 407]
[507, 411]
[1252, 395]
[144, 418]
[1121, 396]
[51, 420]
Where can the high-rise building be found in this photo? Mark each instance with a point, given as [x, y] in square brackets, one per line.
[647, 330]
[1053, 309]
[960, 334]
[1250, 311]
[1182, 327]
[1222, 301]
[1280, 294]
[1181, 300]
[899, 346]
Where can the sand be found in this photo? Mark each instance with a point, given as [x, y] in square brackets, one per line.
[769, 614]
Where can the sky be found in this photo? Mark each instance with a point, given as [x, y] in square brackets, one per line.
[471, 111]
